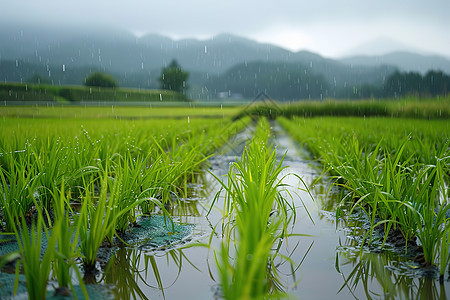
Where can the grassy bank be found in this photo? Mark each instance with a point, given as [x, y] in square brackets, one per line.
[11, 92]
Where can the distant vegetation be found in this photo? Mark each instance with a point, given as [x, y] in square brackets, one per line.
[413, 107]
[290, 82]
[99, 79]
[434, 83]
[280, 81]
[50, 93]
[173, 78]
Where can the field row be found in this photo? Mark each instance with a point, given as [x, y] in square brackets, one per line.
[395, 171]
[116, 171]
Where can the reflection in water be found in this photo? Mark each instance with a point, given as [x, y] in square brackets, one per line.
[131, 269]
[386, 276]
[123, 272]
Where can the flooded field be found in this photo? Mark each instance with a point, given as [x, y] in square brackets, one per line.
[324, 264]
[318, 255]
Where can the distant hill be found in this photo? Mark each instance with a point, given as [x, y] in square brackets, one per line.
[68, 55]
[294, 81]
[405, 61]
[381, 46]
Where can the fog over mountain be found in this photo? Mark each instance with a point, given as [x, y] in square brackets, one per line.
[404, 61]
[67, 56]
[328, 27]
[383, 45]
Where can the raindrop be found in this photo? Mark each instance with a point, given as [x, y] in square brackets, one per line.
[188, 120]
[160, 97]
[63, 68]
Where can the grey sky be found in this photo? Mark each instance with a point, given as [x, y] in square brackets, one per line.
[329, 27]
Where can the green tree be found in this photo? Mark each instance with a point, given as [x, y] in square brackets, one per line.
[100, 79]
[436, 82]
[173, 78]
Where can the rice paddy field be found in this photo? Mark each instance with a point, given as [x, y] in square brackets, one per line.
[224, 202]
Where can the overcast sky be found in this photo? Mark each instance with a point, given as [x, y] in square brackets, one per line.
[332, 28]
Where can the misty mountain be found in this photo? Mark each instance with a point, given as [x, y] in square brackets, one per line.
[382, 45]
[292, 81]
[404, 61]
[224, 63]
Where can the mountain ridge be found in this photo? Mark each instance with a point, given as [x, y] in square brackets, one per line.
[25, 41]
[404, 60]
[67, 57]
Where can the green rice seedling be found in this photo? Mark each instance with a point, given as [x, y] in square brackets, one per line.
[67, 250]
[132, 178]
[36, 268]
[49, 163]
[128, 174]
[434, 215]
[99, 220]
[255, 215]
[444, 251]
[188, 161]
[396, 174]
[17, 193]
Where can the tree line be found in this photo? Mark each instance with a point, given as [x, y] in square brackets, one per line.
[401, 84]
[434, 83]
[284, 82]
[290, 82]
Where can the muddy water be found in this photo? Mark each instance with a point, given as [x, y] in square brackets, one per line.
[325, 264]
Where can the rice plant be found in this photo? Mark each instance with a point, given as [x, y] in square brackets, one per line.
[396, 173]
[98, 220]
[17, 192]
[67, 250]
[36, 268]
[255, 216]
